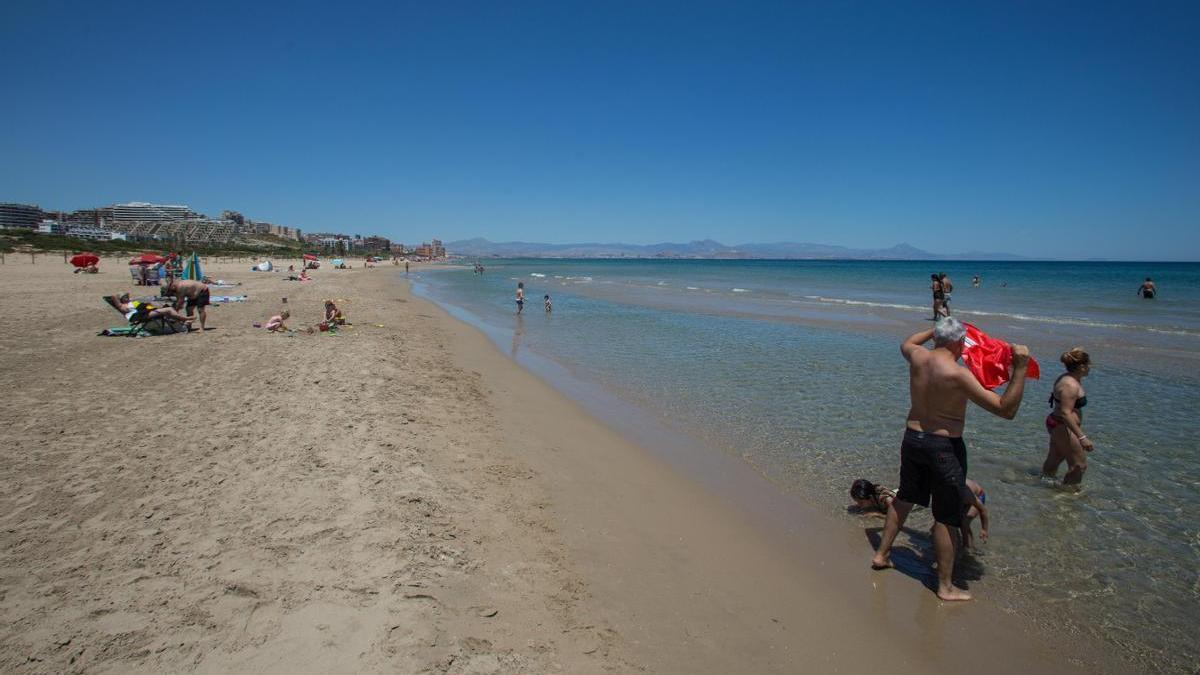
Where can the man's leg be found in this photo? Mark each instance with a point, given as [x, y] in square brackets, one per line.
[943, 548]
[896, 515]
[203, 315]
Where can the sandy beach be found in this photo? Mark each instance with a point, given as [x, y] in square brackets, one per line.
[401, 497]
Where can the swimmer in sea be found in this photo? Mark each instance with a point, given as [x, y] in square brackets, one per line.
[947, 289]
[1147, 290]
[1067, 441]
[520, 296]
[546, 301]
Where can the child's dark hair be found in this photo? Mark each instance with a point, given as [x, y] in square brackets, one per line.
[862, 489]
[546, 297]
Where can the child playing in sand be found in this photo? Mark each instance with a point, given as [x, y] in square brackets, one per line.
[333, 315]
[546, 301]
[276, 323]
[871, 498]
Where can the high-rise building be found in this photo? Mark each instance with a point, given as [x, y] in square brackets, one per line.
[20, 215]
[438, 251]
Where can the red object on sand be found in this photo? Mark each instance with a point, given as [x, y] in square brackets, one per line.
[309, 256]
[990, 360]
[148, 259]
[84, 259]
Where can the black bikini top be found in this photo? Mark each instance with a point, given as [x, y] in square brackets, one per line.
[1079, 402]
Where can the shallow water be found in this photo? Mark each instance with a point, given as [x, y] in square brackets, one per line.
[794, 366]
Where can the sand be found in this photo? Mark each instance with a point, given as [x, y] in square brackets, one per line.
[400, 497]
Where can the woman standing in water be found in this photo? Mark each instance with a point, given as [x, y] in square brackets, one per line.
[935, 284]
[1067, 440]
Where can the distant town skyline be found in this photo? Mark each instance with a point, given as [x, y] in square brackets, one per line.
[1046, 131]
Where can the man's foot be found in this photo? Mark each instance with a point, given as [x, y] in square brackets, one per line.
[952, 594]
[879, 562]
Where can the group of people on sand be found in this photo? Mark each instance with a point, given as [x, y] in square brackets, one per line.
[333, 317]
[188, 294]
[933, 456]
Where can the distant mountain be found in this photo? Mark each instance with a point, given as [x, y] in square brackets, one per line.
[707, 248]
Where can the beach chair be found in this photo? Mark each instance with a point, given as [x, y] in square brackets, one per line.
[139, 325]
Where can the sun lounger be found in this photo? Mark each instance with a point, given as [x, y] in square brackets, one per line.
[140, 327]
[145, 275]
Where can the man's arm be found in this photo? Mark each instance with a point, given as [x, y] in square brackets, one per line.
[914, 342]
[1005, 406]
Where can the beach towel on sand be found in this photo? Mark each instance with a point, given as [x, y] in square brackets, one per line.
[217, 299]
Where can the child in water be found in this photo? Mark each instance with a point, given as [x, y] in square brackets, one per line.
[871, 498]
[875, 499]
[546, 301]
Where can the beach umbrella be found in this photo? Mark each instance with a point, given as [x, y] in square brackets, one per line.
[148, 259]
[309, 256]
[192, 269]
[84, 259]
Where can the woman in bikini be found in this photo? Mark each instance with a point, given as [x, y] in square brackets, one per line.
[1067, 441]
[935, 285]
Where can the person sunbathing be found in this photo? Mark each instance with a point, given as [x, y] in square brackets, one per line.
[333, 315]
[139, 311]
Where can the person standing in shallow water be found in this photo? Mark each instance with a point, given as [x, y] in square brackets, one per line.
[1067, 441]
[933, 457]
[935, 285]
[520, 296]
[1147, 290]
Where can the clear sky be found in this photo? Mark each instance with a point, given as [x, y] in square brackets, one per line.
[1041, 128]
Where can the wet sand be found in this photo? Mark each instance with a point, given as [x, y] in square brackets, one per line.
[400, 497]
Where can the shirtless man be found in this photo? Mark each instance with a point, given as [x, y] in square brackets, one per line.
[933, 457]
[194, 293]
[520, 296]
[1147, 290]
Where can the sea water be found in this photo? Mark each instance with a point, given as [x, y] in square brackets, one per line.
[794, 367]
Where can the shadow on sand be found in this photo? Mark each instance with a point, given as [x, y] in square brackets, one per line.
[913, 557]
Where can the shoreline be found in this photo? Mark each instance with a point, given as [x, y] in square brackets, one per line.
[400, 497]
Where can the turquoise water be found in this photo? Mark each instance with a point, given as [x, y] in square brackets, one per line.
[794, 366]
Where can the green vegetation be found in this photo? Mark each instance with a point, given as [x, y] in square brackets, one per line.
[24, 240]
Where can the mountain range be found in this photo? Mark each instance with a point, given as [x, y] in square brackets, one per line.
[707, 248]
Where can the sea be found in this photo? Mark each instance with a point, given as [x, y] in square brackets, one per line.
[794, 367]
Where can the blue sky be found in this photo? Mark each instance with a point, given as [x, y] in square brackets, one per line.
[1050, 129]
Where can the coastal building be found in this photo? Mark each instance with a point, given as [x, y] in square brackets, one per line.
[92, 232]
[376, 244]
[282, 231]
[437, 249]
[50, 226]
[145, 212]
[20, 215]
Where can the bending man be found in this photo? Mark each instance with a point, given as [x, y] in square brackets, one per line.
[933, 457]
[194, 293]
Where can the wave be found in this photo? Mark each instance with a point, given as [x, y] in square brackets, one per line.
[739, 290]
[536, 274]
[1065, 321]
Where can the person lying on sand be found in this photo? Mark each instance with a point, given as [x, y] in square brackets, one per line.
[143, 311]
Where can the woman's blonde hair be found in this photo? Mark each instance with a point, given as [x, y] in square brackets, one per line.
[1075, 358]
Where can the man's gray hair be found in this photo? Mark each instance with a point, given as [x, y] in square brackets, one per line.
[948, 331]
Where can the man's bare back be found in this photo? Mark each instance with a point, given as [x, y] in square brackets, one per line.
[939, 388]
[187, 288]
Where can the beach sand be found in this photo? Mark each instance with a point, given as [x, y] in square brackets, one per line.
[400, 497]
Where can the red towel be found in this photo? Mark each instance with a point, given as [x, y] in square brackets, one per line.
[990, 360]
